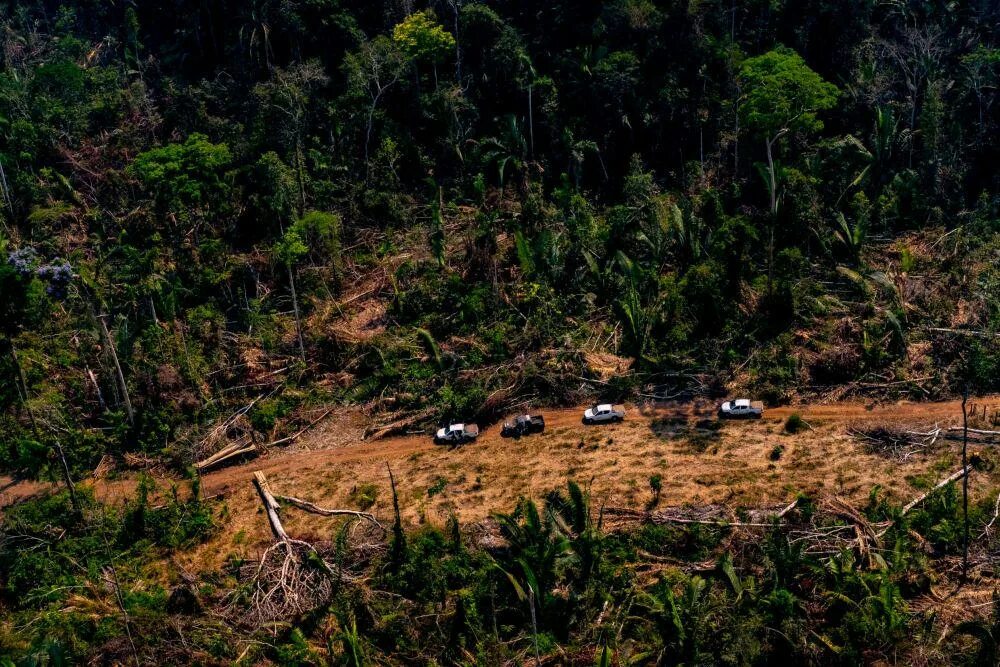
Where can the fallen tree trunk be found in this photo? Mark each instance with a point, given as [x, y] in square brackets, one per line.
[240, 447]
[385, 429]
[291, 577]
[665, 517]
[977, 431]
[958, 474]
[228, 452]
[271, 506]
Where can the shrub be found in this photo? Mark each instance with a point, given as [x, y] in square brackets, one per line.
[794, 423]
[364, 495]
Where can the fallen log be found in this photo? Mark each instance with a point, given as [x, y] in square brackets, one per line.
[239, 448]
[229, 452]
[977, 431]
[958, 474]
[271, 506]
[666, 517]
[286, 581]
[385, 429]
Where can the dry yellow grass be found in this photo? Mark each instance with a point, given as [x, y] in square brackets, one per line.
[698, 461]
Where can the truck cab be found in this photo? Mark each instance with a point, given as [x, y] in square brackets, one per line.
[605, 412]
[523, 425]
[741, 408]
[456, 434]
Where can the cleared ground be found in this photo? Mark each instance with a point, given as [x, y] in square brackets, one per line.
[700, 460]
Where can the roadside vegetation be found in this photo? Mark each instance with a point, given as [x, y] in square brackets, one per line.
[556, 578]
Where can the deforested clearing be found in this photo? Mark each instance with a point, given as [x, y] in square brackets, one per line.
[478, 332]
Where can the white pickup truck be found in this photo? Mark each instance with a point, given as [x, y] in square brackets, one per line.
[604, 412]
[456, 434]
[741, 408]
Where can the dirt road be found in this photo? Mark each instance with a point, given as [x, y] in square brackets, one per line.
[749, 463]
[567, 421]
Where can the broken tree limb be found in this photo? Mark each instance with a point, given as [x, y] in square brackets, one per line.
[987, 529]
[977, 431]
[958, 474]
[788, 508]
[307, 506]
[294, 436]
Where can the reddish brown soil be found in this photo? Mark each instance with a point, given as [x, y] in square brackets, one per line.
[734, 464]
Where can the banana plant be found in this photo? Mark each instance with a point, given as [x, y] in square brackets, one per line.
[852, 237]
[506, 152]
[680, 620]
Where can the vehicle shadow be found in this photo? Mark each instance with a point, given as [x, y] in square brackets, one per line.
[694, 425]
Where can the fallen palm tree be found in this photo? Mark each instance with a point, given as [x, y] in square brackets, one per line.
[291, 577]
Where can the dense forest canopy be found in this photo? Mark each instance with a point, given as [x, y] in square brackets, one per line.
[711, 188]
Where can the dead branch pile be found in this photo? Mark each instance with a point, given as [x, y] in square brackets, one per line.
[396, 424]
[135, 461]
[104, 466]
[894, 442]
[837, 526]
[243, 443]
[833, 527]
[227, 440]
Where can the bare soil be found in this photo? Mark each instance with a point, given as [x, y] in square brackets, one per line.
[700, 460]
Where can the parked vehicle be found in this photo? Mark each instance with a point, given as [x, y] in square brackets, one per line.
[741, 408]
[605, 412]
[456, 434]
[523, 425]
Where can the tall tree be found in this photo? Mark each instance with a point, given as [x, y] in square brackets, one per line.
[782, 95]
[373, 68]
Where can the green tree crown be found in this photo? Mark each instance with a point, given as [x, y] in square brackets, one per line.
[421, 37]
[783, 93]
